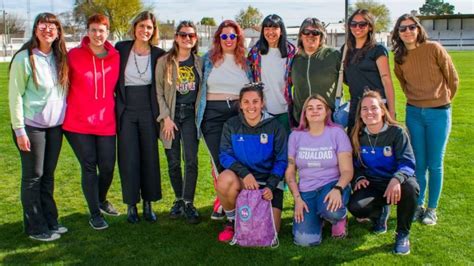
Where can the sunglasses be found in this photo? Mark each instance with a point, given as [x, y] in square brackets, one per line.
[411, 27]
[361, 24]
[44, 27]
[231, 36]
[307, 32]
[183, 35]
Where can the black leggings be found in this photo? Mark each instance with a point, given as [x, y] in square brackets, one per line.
[368, 202]
[215, 115]
[37, 178]
[94, 153]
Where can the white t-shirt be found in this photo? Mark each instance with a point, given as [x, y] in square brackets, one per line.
[228, 77]
[273, 76]
[132, 74]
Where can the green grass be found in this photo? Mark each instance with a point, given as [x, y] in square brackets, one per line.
[175, 242]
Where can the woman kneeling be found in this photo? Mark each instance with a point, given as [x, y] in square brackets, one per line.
[253, 152]
[322, 154]
[384, 170]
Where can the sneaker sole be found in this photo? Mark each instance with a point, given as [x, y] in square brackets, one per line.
[109, 214]
[401, 254]
[59, 231]
[45, 239]
[429, 224]
[215, 218]
[98, 228]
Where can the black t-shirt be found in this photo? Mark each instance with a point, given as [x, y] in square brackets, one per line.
[187, 84]
[365, 73]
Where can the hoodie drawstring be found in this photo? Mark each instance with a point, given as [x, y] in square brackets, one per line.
[103, 80]
[95, 78]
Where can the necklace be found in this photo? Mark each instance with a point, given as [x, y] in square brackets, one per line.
[375, 143]
[136, 65]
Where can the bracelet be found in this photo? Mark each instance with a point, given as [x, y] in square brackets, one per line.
[338, 188]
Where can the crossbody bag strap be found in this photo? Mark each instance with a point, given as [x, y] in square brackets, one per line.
[341, 74]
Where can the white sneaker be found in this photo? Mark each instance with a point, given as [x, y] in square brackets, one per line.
[430, 217]
[46, 237]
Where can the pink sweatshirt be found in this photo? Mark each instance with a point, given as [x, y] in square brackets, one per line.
[90, 102]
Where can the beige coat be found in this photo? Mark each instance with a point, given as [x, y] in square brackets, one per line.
[166, 92]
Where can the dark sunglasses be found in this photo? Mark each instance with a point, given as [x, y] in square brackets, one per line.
[411, 27]
[183, 35]
[361, 24]
[231, 36]
[307, 32]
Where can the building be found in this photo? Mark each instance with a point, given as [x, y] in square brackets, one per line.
[452, 31]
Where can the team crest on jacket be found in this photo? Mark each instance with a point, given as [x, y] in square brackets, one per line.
[387, 151]
[263, 138]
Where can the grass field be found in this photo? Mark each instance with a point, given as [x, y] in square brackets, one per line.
[175, 242]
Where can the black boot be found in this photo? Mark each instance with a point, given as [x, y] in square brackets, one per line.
[148, 212]
[132, 214]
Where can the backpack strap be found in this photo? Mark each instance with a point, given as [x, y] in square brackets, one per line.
[275, 242]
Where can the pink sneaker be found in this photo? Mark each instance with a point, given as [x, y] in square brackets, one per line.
[338, 230]
[227, 234]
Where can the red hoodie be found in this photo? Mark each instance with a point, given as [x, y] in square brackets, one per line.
[90, 102]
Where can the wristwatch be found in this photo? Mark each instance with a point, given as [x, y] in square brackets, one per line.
[338, 188]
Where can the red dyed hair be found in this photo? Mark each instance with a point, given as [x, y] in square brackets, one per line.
[216, 54]
[304, 125]
[99, 19]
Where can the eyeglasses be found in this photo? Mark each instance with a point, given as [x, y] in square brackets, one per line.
[231, 36]
[361, 24]
[411, 27]
[183, 34]
[307, 32]
[45, 26]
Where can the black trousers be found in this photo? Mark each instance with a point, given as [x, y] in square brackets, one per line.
[96, 154]
[184, 188]
[40, 213]
[368, 202]
[215, 115]
[138, 161]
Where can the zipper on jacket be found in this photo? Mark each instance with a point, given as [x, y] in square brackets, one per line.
[307, 76]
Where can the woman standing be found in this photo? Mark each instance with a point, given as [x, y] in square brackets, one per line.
[37, 92]
[322, 154]
[256, 161]
[315, 68]
[89, 124]
[270, 60]
[137, 111]
[366, 63]
[225, 73]
[384, 170]
[178, 75]
[430, 81]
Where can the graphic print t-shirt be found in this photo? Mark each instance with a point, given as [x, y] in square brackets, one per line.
[316, 156]
[187, 84]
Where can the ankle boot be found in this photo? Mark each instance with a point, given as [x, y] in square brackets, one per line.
[148, 212]
[132, 214]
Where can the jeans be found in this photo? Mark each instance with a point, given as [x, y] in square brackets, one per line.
[40, 213]
[184, 188]
[309, 231]
[429, 131]
[94, 153]
[368, 202]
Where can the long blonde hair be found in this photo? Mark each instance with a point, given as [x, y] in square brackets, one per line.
[359, 124]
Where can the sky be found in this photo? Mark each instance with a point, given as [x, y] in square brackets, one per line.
[293, 12]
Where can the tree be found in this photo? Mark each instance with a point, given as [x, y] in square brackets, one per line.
[15, 24]
[120, 13]
[208, 21]
[380, 12]
[249, 18]
[436, 7]
[166, 30]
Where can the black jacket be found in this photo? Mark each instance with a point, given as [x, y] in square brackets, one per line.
[124, 49]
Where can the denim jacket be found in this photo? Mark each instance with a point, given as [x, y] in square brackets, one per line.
[207, 68]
